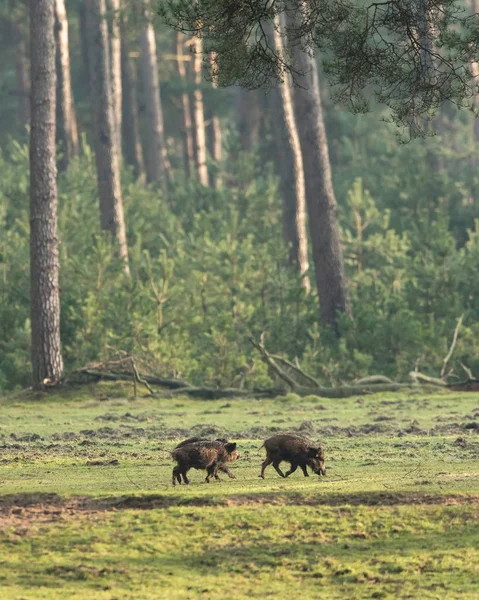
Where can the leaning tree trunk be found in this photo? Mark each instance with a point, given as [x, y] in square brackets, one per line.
[297, 216]
[22, 77]
[320, 198]
[114, 7]
[67, 132]
[199, 114]
[188, 139]
[106, 154]
[132, 148]
[156, 163]
[47, 363]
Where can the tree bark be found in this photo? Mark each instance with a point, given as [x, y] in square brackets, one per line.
[106, 155]
[47, 363]
[22, 77]
[157, 158]
[199, 114]
[67, 131]
[114, 7]
[133, 148]
[297, 207]
[188, 140]
[320, 198]
[475, 72]
[215, 140]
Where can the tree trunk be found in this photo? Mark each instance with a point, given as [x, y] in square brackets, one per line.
[215, 140]
[67, 132]
[156, 163]
[199, 114]
[22, 77]
[47, 363]
[475, 72]
[114, 7]
[133, 148]
[107, 163]
[320, 199]
[248, 112]
[188, 141]
[296, 213]
[83, 26]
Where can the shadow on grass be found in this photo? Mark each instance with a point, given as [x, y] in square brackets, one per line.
[156, 501]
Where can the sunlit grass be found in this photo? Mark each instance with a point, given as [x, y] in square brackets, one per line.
[396, 517]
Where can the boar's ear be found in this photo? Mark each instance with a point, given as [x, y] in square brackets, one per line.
[313, 452]
[230, 446]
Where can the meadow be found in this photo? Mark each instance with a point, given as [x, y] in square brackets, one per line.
[87, 509]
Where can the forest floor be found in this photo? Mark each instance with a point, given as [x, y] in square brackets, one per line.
[87, 509]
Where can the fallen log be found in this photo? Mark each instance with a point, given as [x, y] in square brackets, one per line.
[471, 385]
[152, 380]
[342, 391]
[417, 378]
[373, 379]
[205, 393]
[377, 384]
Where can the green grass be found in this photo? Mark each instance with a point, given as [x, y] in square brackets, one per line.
[396, 517]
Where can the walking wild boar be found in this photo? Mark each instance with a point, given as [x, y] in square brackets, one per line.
[221, 467]
[204, 455]
[299, 452]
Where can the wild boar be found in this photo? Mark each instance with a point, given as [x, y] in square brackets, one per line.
[299, 452]
[205, 455]
[222, 466]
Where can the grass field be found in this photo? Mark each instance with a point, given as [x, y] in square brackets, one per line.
[87, 509]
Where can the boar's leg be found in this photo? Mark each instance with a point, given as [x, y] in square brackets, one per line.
[292, 470]
[176, 475]
[226, 470]
[211, 470]
[305, 470]
[278, 470]
[267, 462]
[185, 477]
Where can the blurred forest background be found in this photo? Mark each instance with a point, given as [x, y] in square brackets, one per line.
[208, 187]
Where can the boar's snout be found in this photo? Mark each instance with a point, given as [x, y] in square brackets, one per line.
[318, 467]
[317, 461]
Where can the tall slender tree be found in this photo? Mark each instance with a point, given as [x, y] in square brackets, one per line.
[47, 363]
[133, 149]
[106, 149]
[320, 198]
[199, 114]
[67, 131]
[114, 7]
[188, 139]
[296, 208]
[216, 137]
[475, 72]
[157, 157]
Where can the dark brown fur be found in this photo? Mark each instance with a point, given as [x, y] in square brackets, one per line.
[299, 452]
[203, 455]
[222, 466]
